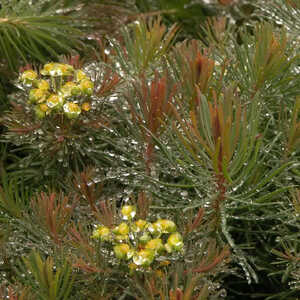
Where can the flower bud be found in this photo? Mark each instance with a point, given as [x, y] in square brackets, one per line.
[144, 238]
[40, 114]
[121, 238]
[85, 106]
[70, 89]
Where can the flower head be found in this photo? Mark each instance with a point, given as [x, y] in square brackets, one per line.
[164, 226]
[144, 257]
[37, 95]
[28, 77]
[175, 242]
[57, 69]
[42, 84]
[128, 212]
[123, 251]
[55, 101]
[71, 110]
[102, 233]
[87, 86]
[80, 75]
[69, 89]
[122, 229]
[156, 245]
[139, 225]
[44, 107]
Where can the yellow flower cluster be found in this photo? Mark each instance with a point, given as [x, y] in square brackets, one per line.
[56, 93]
[140, 242]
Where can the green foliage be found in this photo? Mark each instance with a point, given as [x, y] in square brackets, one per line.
[48, 280]
[33, 32]
[201, 132]
[13, 195]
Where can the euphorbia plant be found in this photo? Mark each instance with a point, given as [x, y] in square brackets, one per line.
[140, 242]
[56, 115]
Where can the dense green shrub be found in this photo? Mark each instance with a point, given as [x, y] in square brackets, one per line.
[168, 124]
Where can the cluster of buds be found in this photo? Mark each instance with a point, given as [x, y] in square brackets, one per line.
[61, 89]
[140, 242]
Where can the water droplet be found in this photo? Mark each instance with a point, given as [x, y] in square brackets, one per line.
[184, 193]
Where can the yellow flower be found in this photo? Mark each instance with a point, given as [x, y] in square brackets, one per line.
[37, 95]
[71, 110]
[43, 107]
[122, 229]
[43, 85]
[70, 89]
[143, 257]
[164, 226]
[123, 251]
[87, 86]
[102, 233]
[174, 242]
[55, 101]
[128, 212]
[80, 75]
[139, 225]
[28, 77]
[85, 106]
[156, 245]
[57, 69]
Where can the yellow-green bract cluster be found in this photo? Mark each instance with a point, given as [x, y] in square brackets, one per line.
[55, 92]
[140, 242]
